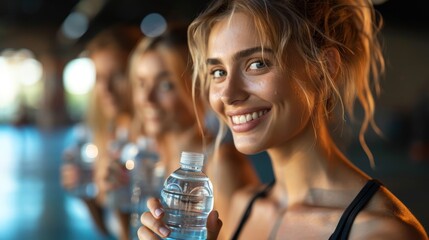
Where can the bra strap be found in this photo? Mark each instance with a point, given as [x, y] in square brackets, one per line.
[344, 226]
[246, 214]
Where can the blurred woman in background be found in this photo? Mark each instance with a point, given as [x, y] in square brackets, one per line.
[161, 74]
[109, 116]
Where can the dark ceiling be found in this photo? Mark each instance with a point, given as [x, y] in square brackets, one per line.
[51, 13]
[54, 11]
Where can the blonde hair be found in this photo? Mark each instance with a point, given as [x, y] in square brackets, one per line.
[313, 27]
[173, 46]
[120, 40]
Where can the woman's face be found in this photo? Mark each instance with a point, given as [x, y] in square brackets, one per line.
[159, 104]
[110, 81]
[262, 104]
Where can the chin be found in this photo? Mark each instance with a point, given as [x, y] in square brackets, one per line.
[110, 112]
[152, 131]
[248, 145]
[248, 149]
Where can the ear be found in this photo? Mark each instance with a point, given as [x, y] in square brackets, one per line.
[333, 58]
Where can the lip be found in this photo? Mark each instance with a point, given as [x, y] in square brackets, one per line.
[247, 126]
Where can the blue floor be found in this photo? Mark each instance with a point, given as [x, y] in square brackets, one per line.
[34, 206]
[32, 203]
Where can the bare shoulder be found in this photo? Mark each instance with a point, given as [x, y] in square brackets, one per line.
[240, 200]
[392, 227]
[239, 203]
[386, 217]
[245, 194]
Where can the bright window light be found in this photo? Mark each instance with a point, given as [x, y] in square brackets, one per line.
[29, 72]
[79, 76]
[9, 87]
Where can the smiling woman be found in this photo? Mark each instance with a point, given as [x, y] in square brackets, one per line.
[278, 81]
[34, 206]
[249, 72]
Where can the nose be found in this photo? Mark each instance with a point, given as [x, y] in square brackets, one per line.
[110, 86]
[234, 89]
[114, 82]
[149, 94]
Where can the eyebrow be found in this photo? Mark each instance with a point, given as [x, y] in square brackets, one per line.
[241, 54]
[163, 74]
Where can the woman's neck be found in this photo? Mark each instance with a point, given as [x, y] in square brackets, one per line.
[308, 161]
[172, 144]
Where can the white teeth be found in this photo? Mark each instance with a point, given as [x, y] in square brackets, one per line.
[255, 115]
[235, 119]
[240, 119]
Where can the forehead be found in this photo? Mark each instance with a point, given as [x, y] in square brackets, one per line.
[151, 59]
[232, 34]
[106, 57]
[149, 63]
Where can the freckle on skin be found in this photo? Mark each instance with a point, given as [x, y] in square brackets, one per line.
[217, 95]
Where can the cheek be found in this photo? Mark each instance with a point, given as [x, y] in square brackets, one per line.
[297, 107]
[215, 92]
[215, 99]
[99, 88]
[137, 98]
[171, 103]
[303, 99]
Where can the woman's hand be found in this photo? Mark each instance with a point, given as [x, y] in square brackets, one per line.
[153, 226]
[69, 176]
[214, 224]
[111, 176]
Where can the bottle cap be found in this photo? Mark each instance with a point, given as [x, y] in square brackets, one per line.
[192, 158]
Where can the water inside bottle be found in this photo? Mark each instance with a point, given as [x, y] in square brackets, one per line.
[186, 214]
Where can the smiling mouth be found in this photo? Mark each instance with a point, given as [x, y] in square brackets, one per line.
[245, 118]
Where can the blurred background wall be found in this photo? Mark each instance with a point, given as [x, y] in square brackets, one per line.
[39, 39]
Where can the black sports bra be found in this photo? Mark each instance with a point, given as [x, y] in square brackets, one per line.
[346, 221]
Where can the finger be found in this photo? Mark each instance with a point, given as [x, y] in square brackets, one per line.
[69, 176]
[214, 224]
[155, 207]
[145, 233]
[155, 225]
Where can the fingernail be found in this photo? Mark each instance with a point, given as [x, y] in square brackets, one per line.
[164, 231]
[158, 212]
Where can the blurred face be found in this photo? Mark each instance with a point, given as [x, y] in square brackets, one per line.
[262, 105]
[110, 81]
[158, 101]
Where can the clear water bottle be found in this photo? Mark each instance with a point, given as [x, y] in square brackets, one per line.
[82, 155]
[187, 198]
[119, 175]
[147, 178]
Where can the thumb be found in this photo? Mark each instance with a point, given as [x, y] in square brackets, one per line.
[214, 224]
